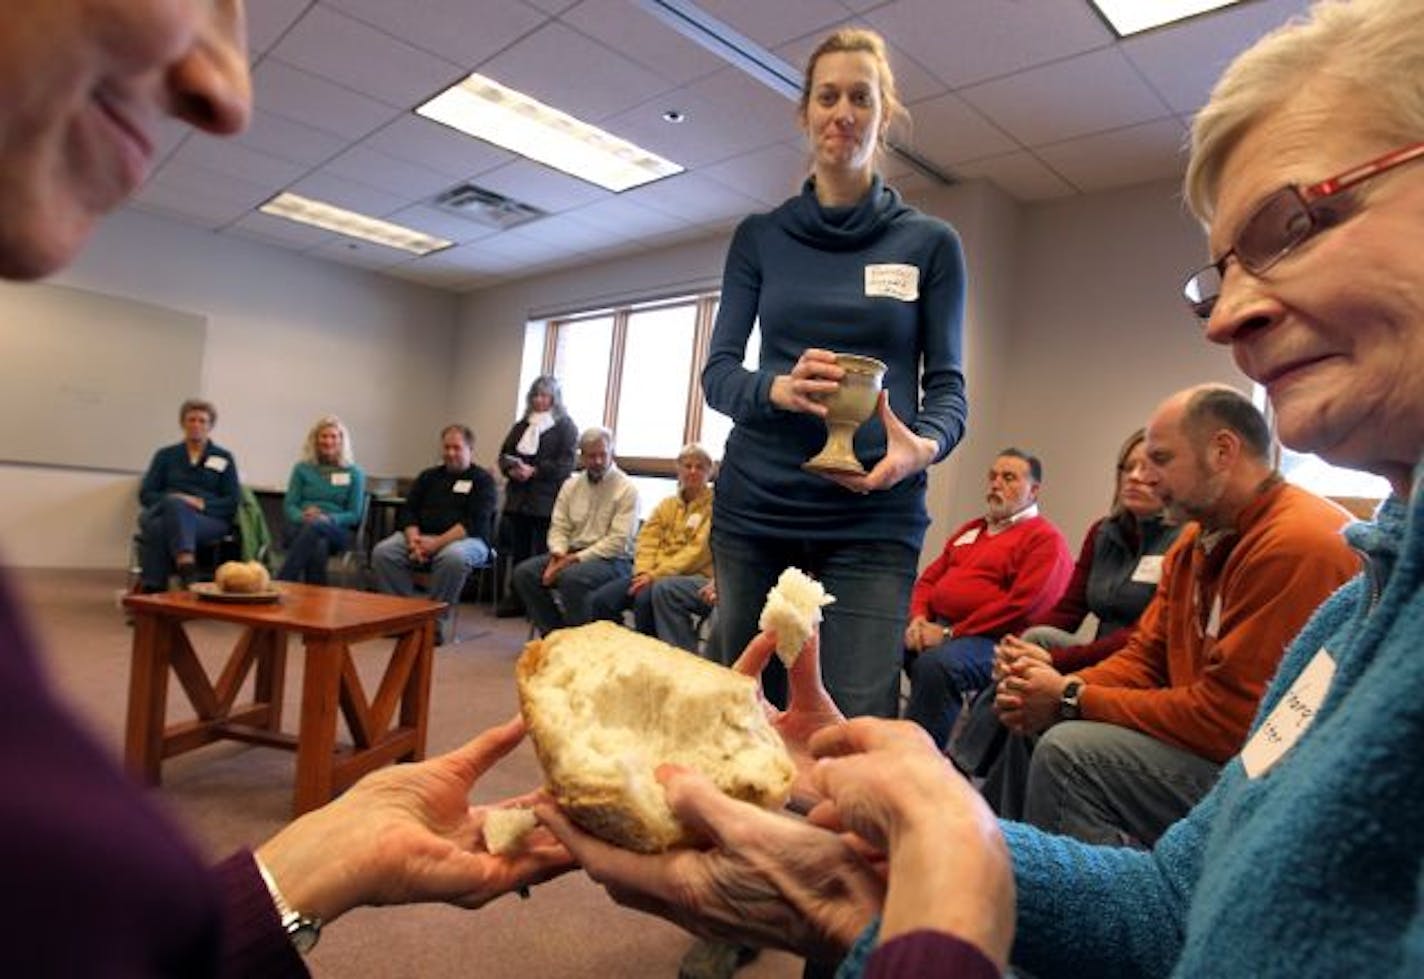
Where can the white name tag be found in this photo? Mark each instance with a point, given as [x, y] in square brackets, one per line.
[1213, 621]
[694, 520]
[1148, 570]
[217, 464]
[968, 537]
[462, 486]
[1284, 726]
[893, 280]
[340, 479]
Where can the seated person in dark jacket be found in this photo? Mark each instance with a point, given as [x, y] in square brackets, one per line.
[445, 525]
[189, 497]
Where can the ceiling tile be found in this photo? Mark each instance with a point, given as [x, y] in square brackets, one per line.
[1086, 94]
[387, 173]
[1020, 175]
[274, 230]
[693, 198]
[210, 199]
[312, 101]
[1183, 61]
[627, 27]
[912, 80]
[362, 254]
[456, 30]
[626, 221]
[564, 232]
[331, 189]
[749, 115]
[236, 160]
[276, 136]
[947, 130]
[770, 24]
[268, 20]
[602, 84]
[1125, 156]
[442, 224]
[705, 134]
[769, 175]
[365, 60]
[545, 188]
[437, 147]
[963, 43]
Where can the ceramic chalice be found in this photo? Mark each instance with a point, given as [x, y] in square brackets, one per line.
[847, 407]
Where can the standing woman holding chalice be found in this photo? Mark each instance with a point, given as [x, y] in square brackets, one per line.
[844, 268]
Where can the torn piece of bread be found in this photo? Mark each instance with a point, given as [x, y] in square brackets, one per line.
[792, 611]
[244, 577]
[505, 829]
[606, 706]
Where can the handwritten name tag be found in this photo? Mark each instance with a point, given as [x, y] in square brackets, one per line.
[968, 537]
[462, 486]
[340, 479]
[1289, 719]
[694, 520]
[1213, 620]
[893, 280]
[1148, 570]
[217, 464]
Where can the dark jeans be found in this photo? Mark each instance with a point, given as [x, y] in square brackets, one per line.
[609, 601]
[309, 547]
[168, 528]
[520, 537]
[940, 677]
[862, 638]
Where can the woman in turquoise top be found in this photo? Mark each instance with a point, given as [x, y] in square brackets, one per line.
[326, 496]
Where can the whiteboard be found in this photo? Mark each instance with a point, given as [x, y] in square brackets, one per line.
[92, 381]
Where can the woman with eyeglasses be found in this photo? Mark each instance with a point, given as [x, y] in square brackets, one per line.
[1307, 857]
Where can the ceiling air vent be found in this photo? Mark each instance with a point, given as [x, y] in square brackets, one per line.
[486, 207]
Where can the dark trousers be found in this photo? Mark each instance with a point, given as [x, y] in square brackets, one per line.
[309, 547]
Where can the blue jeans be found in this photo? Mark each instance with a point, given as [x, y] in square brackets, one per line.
[609, 600]
[1101, 783]
[168, 528]
[862, 636]
[394, 570]
[309, 547]
[677, 608]
[940, 677]
[575, 586]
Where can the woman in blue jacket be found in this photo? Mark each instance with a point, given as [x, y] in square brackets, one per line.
[326, 497]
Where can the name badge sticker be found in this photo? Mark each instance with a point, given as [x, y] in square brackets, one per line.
[462, 486]
[694, 520]
[340, 479]
[893, 280]
[968, 537]
[1213, 621]
[1148, 570]
[217, 464]
[1290, 718]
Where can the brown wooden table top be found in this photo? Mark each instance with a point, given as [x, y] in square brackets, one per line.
[311, 609]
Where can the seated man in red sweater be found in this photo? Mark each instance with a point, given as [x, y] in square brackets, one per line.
[998, 573]
[1145, 731]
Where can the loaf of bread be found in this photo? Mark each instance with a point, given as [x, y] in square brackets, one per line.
[606, 706]
[243, 577]
[792, 611]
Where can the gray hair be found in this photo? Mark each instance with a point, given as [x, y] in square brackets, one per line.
[694, 450]
[1369, 50]
[596, 433]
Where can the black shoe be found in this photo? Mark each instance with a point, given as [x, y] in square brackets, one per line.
[509, 608]
[187, 574]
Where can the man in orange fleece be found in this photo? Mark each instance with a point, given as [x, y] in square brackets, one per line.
[1133, 742]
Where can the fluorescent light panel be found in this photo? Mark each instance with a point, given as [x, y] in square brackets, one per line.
[483, 108]
[1134, 16]
[304, 210]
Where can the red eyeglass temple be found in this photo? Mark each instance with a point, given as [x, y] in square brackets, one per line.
[1363, 172]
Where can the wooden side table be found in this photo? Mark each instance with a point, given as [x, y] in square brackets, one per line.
[385, 727]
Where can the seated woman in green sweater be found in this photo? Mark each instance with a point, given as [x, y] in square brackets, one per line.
[326, 496]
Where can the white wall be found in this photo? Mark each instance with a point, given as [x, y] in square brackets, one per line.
[289, 338]
[1100, 336]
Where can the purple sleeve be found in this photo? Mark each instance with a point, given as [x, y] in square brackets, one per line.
[253, 943]
[929, 955]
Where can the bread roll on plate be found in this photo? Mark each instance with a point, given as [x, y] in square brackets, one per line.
[242, 577]
[606, 706]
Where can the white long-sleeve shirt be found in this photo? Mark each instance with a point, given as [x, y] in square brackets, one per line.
[595, 520]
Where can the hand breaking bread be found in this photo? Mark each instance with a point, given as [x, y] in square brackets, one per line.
[792, 611]
[606, 706]
[243, 577]
[506, 829]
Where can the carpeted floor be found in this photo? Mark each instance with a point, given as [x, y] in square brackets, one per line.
[228, 795]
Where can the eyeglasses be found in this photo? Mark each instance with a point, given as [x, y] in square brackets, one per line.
[1282, 222]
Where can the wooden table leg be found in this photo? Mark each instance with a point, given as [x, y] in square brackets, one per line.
[148, 696]
[271, 674]
[316, 738]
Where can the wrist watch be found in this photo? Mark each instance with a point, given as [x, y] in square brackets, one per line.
[1068, 707]
[303, 930]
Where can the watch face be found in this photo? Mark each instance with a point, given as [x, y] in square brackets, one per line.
[304, 934]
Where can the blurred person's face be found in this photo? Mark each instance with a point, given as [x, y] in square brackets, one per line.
[1177, 470]
[692, 475]
[594, 458]
[1011, 488]
[328, 444]
[541, 400]
[86, 84]
[1335, 329]
[196, 425]
[1134, 489]
[844, 115]
[454, 452]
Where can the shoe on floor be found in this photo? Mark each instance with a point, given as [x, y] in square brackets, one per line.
[708, 959]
